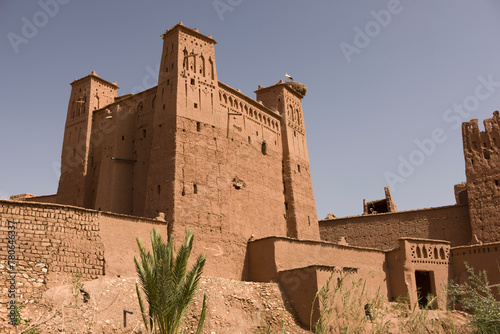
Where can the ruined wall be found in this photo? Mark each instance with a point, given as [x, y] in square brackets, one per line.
[482, 169]
[50, 243]
[382, 231]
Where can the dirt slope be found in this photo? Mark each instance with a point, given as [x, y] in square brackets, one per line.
[232, 307]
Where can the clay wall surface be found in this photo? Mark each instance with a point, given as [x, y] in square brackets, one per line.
[42, 199]
[227, 190]
[222, 171]
[52, 242]
[480, 257]
[87, 95]
[118, 236]
[270, 256]
[382, 231]
[301, 292]
[482, 169]
[299, 196]
[120, 154]
[422, 255]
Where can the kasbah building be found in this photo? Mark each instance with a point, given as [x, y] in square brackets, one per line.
[195, 153]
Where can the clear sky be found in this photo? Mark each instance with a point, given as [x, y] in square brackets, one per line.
[388, 81]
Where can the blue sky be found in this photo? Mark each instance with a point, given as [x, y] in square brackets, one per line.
[382, 78]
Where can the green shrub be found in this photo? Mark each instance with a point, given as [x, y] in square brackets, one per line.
[166, 284]
[480, 301]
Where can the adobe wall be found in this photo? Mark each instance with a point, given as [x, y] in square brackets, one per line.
[270, 256]
[382, 231]
[118, 236]
[301, 293]
[51, 243]
[226, 188]
[120, 154]
[42, 199]
[422, 255]
[303, 267]
[87, 95]
[482, 169]
[65, 240]
[480, 257]
[300, 205]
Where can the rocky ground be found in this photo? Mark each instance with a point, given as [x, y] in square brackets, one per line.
[232, 307]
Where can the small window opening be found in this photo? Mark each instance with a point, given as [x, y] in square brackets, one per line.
[159, 189]
[250, 141]
[144, 133]
[192, 81]
[164, 106]
[123, 137]
[168, 81]
[195, 188]
[496, 182]
[286, 206]
[198, 126]
[183, 191]
[196, 105]
[264, 148]
[298, 168]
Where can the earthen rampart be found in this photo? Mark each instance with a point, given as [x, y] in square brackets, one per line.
[382, 231]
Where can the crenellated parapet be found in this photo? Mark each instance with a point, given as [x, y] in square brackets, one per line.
[482, 168]
[482, 148]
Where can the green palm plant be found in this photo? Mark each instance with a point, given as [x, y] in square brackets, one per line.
[166, 284]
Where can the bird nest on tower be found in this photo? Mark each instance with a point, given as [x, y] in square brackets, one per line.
[298, 87]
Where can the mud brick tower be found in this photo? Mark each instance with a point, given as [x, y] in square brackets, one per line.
[195, 151]
[482, 168]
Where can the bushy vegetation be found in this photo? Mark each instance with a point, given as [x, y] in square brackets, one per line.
[167, 285]
[477, 298]
[345, 307]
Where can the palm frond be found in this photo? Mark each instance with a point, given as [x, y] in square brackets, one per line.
[167, 288]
